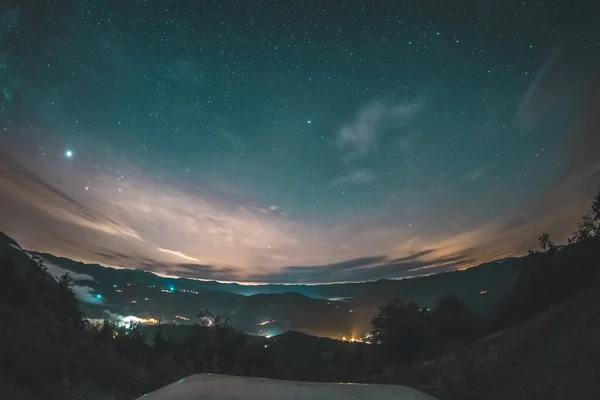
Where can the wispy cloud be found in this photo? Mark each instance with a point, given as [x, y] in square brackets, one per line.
[360, 136]
[476, 173]
[363, 269]
[57, 272]
[201, 227]
[34, 190]
[540, 97]
[355, 177]
[566, 77]
[177, 253]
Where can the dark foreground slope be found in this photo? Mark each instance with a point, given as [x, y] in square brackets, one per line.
[554, 356]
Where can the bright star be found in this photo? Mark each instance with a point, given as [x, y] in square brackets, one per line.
[69, 153]
[310, 121]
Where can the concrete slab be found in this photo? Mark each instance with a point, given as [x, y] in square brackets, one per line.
[226, 387]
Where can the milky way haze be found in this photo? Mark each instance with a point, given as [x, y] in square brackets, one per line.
[296, 141]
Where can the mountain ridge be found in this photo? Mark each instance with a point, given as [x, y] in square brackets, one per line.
[323, 310]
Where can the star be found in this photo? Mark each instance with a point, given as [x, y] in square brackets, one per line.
[68, 153]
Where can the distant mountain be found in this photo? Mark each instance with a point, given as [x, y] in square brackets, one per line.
[324, 310]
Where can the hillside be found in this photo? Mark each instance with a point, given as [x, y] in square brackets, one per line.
[554, 356]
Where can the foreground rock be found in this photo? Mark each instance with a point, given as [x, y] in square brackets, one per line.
[221, 387]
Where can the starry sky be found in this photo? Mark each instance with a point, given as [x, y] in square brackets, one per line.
[296, 141]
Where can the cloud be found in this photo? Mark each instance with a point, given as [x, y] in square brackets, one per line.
[204, 227]
[477, 173]
[187, 270]
[363, 269]
[207, 272]
[228, 136]
[57, 272]
[360, 137]
[109, 255]
[540, 98]
[177, 253]
[355, 177]
[33, 189]
[86, 294]
[566, 77]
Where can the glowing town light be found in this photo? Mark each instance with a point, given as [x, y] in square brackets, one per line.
[207, 320]
[366, 339]
[127, 321]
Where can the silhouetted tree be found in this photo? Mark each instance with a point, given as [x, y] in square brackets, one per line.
[130, 340]
[160, 343]
[546, 244]
[208, 319]
[585, 230]
[66, 304]
[590, 223]
[402, 329]
[106, 332]
[453, 321]
[595, 209]
[214, 342]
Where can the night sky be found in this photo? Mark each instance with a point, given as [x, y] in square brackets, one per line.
[291, 141]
